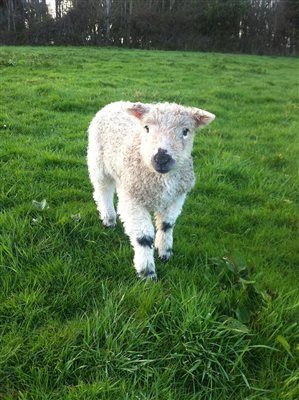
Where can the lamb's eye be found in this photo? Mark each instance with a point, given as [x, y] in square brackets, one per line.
[185, 132]
[146, 128]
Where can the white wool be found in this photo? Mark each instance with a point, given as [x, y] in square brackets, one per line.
[129, 145]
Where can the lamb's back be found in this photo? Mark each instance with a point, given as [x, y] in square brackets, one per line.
[111, 132]
[113, 124]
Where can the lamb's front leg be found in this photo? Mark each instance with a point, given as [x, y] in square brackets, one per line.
[138, 226]
[165, 221]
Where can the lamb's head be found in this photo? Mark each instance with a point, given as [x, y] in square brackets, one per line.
[167, 132]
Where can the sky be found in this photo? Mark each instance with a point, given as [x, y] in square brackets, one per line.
[51, 6]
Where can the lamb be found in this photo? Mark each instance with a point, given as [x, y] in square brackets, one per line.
[143, 151]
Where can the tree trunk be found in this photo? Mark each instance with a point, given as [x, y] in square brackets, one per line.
[107, 9]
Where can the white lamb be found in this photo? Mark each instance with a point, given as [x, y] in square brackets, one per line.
[144, 152]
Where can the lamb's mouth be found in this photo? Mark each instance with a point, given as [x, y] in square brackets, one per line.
[165, 168]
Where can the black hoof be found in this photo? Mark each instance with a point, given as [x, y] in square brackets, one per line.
[166, 257]
[147, 276]
[110, 223]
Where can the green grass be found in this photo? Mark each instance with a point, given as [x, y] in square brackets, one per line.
[222, 322]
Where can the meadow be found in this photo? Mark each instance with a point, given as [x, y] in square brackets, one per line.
[222, 322]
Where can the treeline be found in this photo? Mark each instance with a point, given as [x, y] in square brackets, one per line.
[249, 26]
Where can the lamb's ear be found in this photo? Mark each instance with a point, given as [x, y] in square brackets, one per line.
[138, 110]
[202, 117]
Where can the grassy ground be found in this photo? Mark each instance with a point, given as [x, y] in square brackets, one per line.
[222, 322]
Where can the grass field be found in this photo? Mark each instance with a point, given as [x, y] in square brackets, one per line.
[222, 321]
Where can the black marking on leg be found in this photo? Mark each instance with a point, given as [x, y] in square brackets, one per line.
[146, 241]
[166, 226]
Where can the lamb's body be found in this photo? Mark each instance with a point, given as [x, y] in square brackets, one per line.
[122, 156]
[114, 142]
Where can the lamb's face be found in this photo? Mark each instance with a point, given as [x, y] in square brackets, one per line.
[167, 132]
[166, 140]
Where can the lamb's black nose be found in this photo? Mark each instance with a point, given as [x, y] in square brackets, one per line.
[162, 158]
[162, 162]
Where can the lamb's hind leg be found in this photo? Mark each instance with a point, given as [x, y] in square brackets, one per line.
[104, 188]
[103, 196]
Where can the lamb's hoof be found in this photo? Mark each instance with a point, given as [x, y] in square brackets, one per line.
[147, 276]
[109, 222]
[165, 257]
